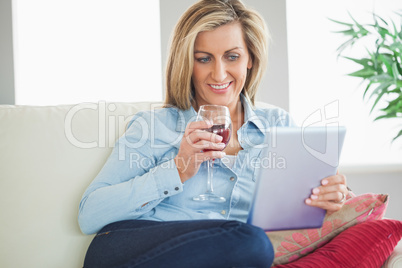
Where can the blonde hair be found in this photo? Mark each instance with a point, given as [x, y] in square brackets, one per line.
[207, 15]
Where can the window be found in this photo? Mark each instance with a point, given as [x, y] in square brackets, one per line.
[318, 80]
[71, 51]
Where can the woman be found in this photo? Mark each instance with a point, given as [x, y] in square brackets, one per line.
[140, 203]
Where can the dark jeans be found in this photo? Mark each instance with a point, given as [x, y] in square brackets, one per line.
[187, 244]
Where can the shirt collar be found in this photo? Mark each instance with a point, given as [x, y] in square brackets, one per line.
[250, 115]
[186, 116]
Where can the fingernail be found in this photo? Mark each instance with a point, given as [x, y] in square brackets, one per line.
[221, 144]
[324, 182]
[223, 154]
[314, 197]
[219, 138]
[308, 201]
[316, 191]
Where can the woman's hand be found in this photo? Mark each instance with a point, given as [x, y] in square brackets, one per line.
[331, 195]
[191, 154]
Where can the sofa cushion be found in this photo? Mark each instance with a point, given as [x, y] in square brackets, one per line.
[366, 244]
[293, 244]
[49, 156]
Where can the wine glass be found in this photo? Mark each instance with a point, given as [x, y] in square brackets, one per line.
[219, 116]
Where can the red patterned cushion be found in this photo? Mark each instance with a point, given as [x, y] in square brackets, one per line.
[294, 244]
[366, 244]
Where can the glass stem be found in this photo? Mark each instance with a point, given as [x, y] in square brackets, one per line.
[210, 176]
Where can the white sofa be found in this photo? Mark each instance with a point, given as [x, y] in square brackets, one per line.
[48, 156]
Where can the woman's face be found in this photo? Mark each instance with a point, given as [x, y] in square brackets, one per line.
[221, 60]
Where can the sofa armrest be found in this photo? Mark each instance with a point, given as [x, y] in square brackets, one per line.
[395, 259]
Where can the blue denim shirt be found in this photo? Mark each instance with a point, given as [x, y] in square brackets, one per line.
[140, 179]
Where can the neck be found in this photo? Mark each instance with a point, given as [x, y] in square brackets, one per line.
[237, 113]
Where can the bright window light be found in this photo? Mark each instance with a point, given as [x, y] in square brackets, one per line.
[71, 51]
[319, 85]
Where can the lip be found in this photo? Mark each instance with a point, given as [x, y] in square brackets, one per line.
[220, 91]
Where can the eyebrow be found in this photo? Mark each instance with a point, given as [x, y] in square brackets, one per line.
[197, 51]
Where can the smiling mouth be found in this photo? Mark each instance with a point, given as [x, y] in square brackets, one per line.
[221, 86]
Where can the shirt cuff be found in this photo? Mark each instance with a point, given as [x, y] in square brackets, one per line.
[167, 179]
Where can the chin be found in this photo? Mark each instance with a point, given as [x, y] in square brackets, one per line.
[219, 99]
[220, 102]
[225, 100]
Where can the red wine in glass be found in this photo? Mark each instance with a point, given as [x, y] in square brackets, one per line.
[222, 130]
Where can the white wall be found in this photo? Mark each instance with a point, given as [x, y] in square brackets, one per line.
[74, 51]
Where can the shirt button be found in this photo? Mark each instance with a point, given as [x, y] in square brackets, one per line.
[177, 188]
[223, 212]
[165, 192]
[232, 178]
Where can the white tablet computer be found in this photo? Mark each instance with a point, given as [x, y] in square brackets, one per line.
[292, 163]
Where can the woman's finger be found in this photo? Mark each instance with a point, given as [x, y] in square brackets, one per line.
[195, 125]
[207, 145]
[198, 135]
[336, 196]
[335, 179]
[327, 205]
[330, 189]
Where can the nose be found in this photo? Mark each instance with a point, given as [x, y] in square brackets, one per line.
[219, 71]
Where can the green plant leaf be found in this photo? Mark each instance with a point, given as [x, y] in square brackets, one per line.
[387, 59]
[358, 25]
[366, 90]
[374, 58]
[381, 30]
[384, 32]
[395, 104]
[395, 35]
[362, 31]
[381, 78]
[350, 32]
[365, 61]
[392, 108]
[340, 22]
[395, 73]
[364, 73]
[384, 116]
[380, 90]
[345, 45]
[397, 136]
[375, 19]
[386, 49]
[396, 45]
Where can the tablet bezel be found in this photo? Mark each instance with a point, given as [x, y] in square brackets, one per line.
[311, 154]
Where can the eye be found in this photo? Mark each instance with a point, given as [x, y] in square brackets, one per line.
[232, 57]
[203, 59]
